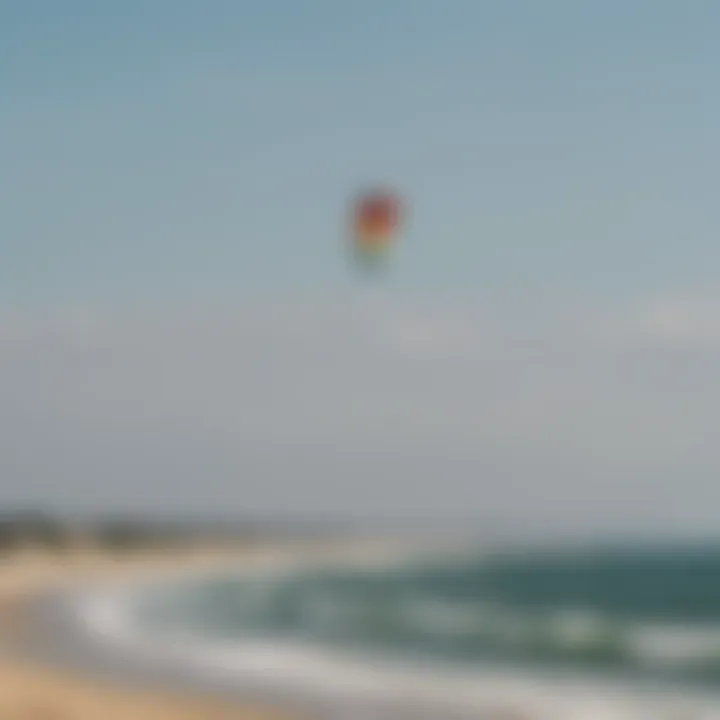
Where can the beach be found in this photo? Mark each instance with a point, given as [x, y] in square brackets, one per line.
[335, 686]
[67, 654]
[31, 689]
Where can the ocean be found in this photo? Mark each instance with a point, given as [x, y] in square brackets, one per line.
[638, 616]
[643, 613]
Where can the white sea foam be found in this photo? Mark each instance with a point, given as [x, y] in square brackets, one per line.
[109, 615]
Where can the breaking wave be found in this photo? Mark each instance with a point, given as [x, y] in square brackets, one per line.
[650, 613]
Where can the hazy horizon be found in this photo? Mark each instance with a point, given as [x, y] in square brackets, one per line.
[179, 326]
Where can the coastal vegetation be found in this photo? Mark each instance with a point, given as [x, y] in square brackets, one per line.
[32, 529]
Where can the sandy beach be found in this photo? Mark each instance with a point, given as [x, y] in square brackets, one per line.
[32, 690]
[35, 687]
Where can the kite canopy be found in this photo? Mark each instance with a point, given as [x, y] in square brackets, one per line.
[376, 220]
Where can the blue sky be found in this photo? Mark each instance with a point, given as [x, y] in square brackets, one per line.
[175, 297]
[172, 149]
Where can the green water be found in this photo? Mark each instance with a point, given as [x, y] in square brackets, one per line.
[643, 612]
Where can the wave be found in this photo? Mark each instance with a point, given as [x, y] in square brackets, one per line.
[302, 608]
[341, 670]
[352, 678]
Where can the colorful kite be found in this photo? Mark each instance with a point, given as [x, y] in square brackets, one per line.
[376, 221]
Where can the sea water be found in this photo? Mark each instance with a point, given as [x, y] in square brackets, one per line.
[603, 632]
[645, 613]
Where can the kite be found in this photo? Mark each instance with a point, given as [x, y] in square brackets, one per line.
[376, 221]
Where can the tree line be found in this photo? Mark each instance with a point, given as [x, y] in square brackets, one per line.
[33, 529]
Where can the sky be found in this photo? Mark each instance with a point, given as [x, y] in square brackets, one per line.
[181, 330]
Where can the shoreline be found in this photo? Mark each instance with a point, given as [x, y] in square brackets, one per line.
[82, 627]
[39, 682]
[322, 681]
[291, 682]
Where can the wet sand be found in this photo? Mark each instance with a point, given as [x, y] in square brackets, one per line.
[33, 690]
